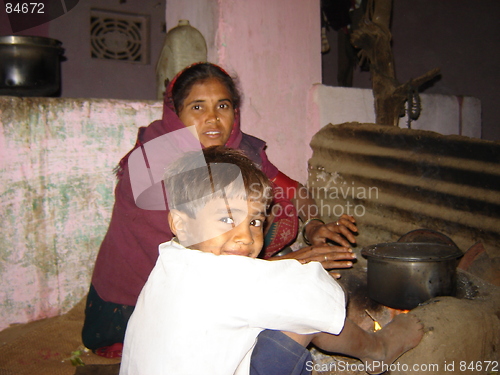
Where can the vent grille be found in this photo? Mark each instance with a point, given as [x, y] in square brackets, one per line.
[119, 36]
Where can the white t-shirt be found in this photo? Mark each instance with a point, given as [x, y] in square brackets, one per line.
[200, 313]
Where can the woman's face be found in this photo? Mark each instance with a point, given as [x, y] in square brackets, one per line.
[209, 107]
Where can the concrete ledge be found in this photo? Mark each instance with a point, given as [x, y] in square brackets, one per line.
[445, 114]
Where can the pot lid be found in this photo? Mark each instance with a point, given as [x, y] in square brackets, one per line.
[426, 235]
[414, 251]
[29, 41]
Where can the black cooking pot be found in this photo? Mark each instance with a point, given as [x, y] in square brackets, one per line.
[403, 275]
[30, 66]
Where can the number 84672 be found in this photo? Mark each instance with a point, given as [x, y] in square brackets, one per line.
[24, 8]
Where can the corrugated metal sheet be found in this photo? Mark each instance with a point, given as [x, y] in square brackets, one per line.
[397, 180]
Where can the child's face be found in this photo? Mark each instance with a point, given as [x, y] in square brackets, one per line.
[237, 231]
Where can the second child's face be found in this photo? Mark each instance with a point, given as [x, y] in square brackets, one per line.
[209, 107]
[237, 231]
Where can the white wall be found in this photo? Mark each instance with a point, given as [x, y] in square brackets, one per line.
[445, 114]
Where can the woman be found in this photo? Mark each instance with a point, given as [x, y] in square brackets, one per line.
[205, 96]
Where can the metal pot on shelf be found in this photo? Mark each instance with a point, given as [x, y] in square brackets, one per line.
[30, 66]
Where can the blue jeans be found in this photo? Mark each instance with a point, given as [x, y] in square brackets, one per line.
[277, 354]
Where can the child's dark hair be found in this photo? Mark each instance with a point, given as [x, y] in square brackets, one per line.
[190, 189]
[198, 73]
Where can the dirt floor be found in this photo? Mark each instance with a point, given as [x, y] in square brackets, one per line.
[50, 347]
[458, 330]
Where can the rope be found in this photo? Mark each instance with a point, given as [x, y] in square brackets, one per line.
[413, 105]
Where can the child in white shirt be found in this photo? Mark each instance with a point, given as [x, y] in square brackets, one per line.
[209, 300]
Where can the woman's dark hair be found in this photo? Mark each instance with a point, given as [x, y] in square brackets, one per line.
[197, 73]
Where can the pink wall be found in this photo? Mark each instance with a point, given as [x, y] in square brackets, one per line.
[274, 48]
[57, 157]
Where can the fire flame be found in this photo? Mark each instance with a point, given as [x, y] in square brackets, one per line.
[376, 325]
[395, 312]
